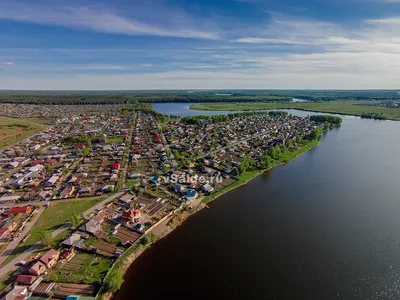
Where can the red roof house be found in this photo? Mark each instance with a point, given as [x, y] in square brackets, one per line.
[81, 145]
[131, 215]
[36, 162]
[157, 139]
[50, 161]
[20, 210]
[116, 166]
[26, 279]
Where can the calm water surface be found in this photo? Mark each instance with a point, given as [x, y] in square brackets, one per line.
[324, 226]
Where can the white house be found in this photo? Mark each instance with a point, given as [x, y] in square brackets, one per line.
[52, 181]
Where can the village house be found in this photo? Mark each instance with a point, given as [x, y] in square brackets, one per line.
[50, 258]
[45, 262]
[38, 269]
[67, 192]
[73, 240]
[7, 226]
[52, 180]
[26, 279]
[93, 225]
[131, 216]
[67, 254]
[20, 210]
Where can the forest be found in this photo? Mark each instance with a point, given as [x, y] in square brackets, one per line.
[222, 96]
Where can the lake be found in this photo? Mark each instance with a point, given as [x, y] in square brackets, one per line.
[183, 110]
[324, 226]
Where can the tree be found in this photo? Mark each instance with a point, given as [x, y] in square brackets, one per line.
[289, 144]
[47, 239]
[165, 168]
[241, 169]
[86, 151]
[266, 162]
[114, 281]
[38, 152]
[75, 221]
[315, 134]
[18, 153]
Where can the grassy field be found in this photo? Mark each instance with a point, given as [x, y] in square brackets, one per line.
[54, 217]
[115, 139]
[341, 107]
[15, 130]
[57, 215]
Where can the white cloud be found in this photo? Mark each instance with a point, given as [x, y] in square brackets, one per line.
[6, 63]
[259, 40]
[285, 52]
[199, 66]
[307, 71]
[101, 19]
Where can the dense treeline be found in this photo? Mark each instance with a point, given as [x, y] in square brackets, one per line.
[137, 106]
[129, 97]
[327, 119]
[277, 113]
[375, 116]
[70, 139]
[82, 98]
[329, 95]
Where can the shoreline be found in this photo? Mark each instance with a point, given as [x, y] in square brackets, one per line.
[137, 249]
[193, 107]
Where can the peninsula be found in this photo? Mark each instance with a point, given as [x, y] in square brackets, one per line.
[381, 110]
[83, 197]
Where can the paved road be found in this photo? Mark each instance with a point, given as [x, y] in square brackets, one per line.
[11, 266]
[41, 203]
[101, 204]
[14, 244]
[61, 229]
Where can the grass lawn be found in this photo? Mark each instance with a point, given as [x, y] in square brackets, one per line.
[82, 268]
[58, 214]
[6, 280]
[54, 217]
[15, 130]
[115, 139]
[340, 107]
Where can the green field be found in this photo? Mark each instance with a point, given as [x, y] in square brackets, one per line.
[58, 214]
[341, 107]
[115, 139]
[15, 130]
[54, 217]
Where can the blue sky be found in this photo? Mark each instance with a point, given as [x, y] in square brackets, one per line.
[199, 44]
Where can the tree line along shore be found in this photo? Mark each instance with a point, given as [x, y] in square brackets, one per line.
[364, 109]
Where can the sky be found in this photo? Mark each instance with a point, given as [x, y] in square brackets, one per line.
[199, 44]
